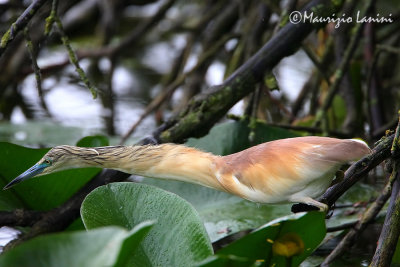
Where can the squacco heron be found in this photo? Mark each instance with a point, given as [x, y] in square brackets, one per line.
[282, 171]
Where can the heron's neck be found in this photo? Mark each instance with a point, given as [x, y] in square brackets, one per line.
[167, 161]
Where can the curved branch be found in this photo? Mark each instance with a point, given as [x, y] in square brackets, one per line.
[20, 24]
[391, 228]
[201, 114]
[20, 217]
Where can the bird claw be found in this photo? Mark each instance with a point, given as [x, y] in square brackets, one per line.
[329, 212]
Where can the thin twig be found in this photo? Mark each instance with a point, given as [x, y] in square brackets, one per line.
[284, 17]
[238, 85]
[51, 18]
[317, 63]
[341, 227]
[278, 103]
[374, 95]
[139, 31]
[396, 142]
[111, 50]
[36, 69]
[74, 60]
[388, 48]
[313, 83]
[176, 69]
[342, 68]
[20, 24]
[357, 227]
[160, 98]
[390, 126]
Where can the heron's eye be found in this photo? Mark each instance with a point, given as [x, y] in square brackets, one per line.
[48, 161]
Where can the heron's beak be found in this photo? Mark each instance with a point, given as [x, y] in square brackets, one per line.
[31, 172]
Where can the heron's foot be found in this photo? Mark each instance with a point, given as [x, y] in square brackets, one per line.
[309, 201]
[330, 212]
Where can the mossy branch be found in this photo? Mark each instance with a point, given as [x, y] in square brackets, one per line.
[163, 96]
[396, 142]
[20, 24]
[51, 18]
[20, 217]
[391, 228]
[202, 113]
[368, 216]
[74, 59]
[36, 69]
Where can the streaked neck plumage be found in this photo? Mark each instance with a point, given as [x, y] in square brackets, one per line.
[167, 161]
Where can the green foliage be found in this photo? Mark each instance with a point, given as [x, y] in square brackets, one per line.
[396, 255]
[108, 246]
[258, 246]
[337, 114]
[178, 237]
[93, 141]
[229, 261]
[6, 37]
[41, 193]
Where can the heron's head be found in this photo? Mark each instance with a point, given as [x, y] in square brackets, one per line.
[57, 159]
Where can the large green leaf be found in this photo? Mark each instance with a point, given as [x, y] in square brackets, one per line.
[177, 239]
[108, 246]
[223, 213]
[257, 246]
[93, 141]
[41, 193]
[229, 261]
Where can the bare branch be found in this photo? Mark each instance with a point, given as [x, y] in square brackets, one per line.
[356, 228]
[342, 68]
[20, 24]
